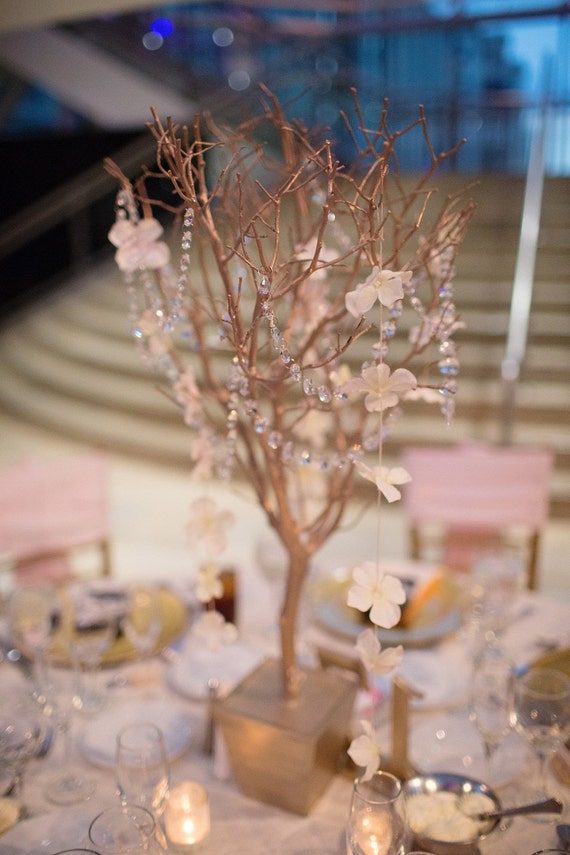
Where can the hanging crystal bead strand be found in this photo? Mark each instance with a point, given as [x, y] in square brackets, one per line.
[126, 209]
[183, 266]
[448, 363]
[309, 387]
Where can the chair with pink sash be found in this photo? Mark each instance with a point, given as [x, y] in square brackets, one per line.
[51, 510]
[470, 498]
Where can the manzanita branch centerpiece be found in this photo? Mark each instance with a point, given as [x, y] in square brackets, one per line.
[275, 322]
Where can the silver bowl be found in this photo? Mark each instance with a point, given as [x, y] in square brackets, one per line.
[460, 785]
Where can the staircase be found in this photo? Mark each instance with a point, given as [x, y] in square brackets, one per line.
[70, 365]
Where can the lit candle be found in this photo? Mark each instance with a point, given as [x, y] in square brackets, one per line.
[187, 816]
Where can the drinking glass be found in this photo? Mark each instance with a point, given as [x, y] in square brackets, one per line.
[141, 766]
[492, 587]
[22, 731]
[376, 821]
[127, 829]
[87, 641]
[77, 852]
[142, 622]
[491, 703]
[69, 784]
[32, 614]
[542, 715]
[271, 558]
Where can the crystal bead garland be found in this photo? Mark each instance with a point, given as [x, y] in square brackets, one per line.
[162, 301]
[444, 320]
[238, 388]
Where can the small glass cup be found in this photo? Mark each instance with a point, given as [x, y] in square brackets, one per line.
[377, 819]
[128, 829]
[142, 767]
[77, 852]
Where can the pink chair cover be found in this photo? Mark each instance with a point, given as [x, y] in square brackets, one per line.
[49, 507]
[477, 492]
[478, 487]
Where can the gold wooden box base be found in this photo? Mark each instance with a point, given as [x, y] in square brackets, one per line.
[282, 752]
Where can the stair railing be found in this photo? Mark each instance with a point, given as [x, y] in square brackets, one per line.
[523, 281]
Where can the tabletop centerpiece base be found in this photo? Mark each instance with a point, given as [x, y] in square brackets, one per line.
[282, 751]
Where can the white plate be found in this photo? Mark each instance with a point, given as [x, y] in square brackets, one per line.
[99, 737]
[333, 615]
[190, 674]
[451, 744]
[48, 833]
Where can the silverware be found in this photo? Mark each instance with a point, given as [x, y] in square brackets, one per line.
[545, 806]
[213, 686]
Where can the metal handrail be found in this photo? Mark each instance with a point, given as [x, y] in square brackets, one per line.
[70, 198]
[521, 299]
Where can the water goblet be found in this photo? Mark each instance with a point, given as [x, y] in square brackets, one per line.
[491, 703]
[32, 614]
[271, 558]
[142, 622]
[22, 732]
[126, 829]
[542, 715]
[141, 766]
[88, 637]
[377, 822]
[69, 784]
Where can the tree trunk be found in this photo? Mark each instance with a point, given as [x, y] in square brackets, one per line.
[298, 568]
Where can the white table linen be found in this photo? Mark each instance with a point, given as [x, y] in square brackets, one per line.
[241, 826]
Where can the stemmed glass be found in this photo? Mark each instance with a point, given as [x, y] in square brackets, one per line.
[491, 704]
[22, 731]
[87, 641]
[69, 785]
[376, 821]
[32, 614]
[141, 766]
[142, 622]
[271, 559]
[542, 715]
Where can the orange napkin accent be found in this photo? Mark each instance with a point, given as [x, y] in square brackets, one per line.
[9, 813]
[430, 601]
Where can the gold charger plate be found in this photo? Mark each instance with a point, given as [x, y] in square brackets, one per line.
[174, 616]
[557, 659]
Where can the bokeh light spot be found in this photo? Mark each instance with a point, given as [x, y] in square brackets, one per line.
[239, 80]
[222, 36]
[152, 41]
[162, 27]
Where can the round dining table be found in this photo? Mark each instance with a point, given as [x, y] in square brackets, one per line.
[170, 689]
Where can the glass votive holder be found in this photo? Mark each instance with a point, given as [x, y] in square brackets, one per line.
[187, 816]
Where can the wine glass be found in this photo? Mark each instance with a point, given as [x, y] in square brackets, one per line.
[142, 767]
[271, 558]
[542, 715]
[69, 785]
[142, 622]
[22, 731]
[89, 633]
[127, 828]
[491, 703]
[376, 822]
[32, 612]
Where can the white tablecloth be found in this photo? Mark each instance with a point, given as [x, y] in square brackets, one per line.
[241, 826]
